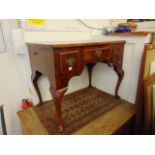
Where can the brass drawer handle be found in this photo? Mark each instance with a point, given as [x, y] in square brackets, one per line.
[98, 53]
[70, 61]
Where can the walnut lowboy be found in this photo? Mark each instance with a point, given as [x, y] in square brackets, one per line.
[60, 62]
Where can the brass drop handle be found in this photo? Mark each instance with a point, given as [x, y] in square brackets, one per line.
[70, 61]
[98, 53]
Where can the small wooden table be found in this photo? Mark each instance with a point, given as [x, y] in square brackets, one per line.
[61, 61]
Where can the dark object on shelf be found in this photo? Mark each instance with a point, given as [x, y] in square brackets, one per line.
[139, 20]
[122, 30]
[2, 119]
[127, 26]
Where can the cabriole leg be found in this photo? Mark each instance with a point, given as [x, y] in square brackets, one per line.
[35, 78]
[120, 74]
[90, 68]
[57, 98]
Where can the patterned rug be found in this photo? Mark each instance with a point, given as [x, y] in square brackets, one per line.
[78, 109]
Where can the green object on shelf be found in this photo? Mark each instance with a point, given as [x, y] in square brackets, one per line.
[127, 25]
[107, 30]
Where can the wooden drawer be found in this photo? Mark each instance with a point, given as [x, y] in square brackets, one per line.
[98, 53]
[70, 60]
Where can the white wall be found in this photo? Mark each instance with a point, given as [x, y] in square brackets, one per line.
[9, 81]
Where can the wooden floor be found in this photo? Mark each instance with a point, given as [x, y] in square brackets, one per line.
[111, 122]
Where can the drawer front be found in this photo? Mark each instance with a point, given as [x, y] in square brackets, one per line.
[98, 53]
[70, 60]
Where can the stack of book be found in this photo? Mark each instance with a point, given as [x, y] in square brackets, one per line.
[126, 27]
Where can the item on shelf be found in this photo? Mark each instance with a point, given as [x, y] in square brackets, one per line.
[108, 30]
[139, 20]
[26, 103]
[125, 27]
[123, 24]
[121, 30]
